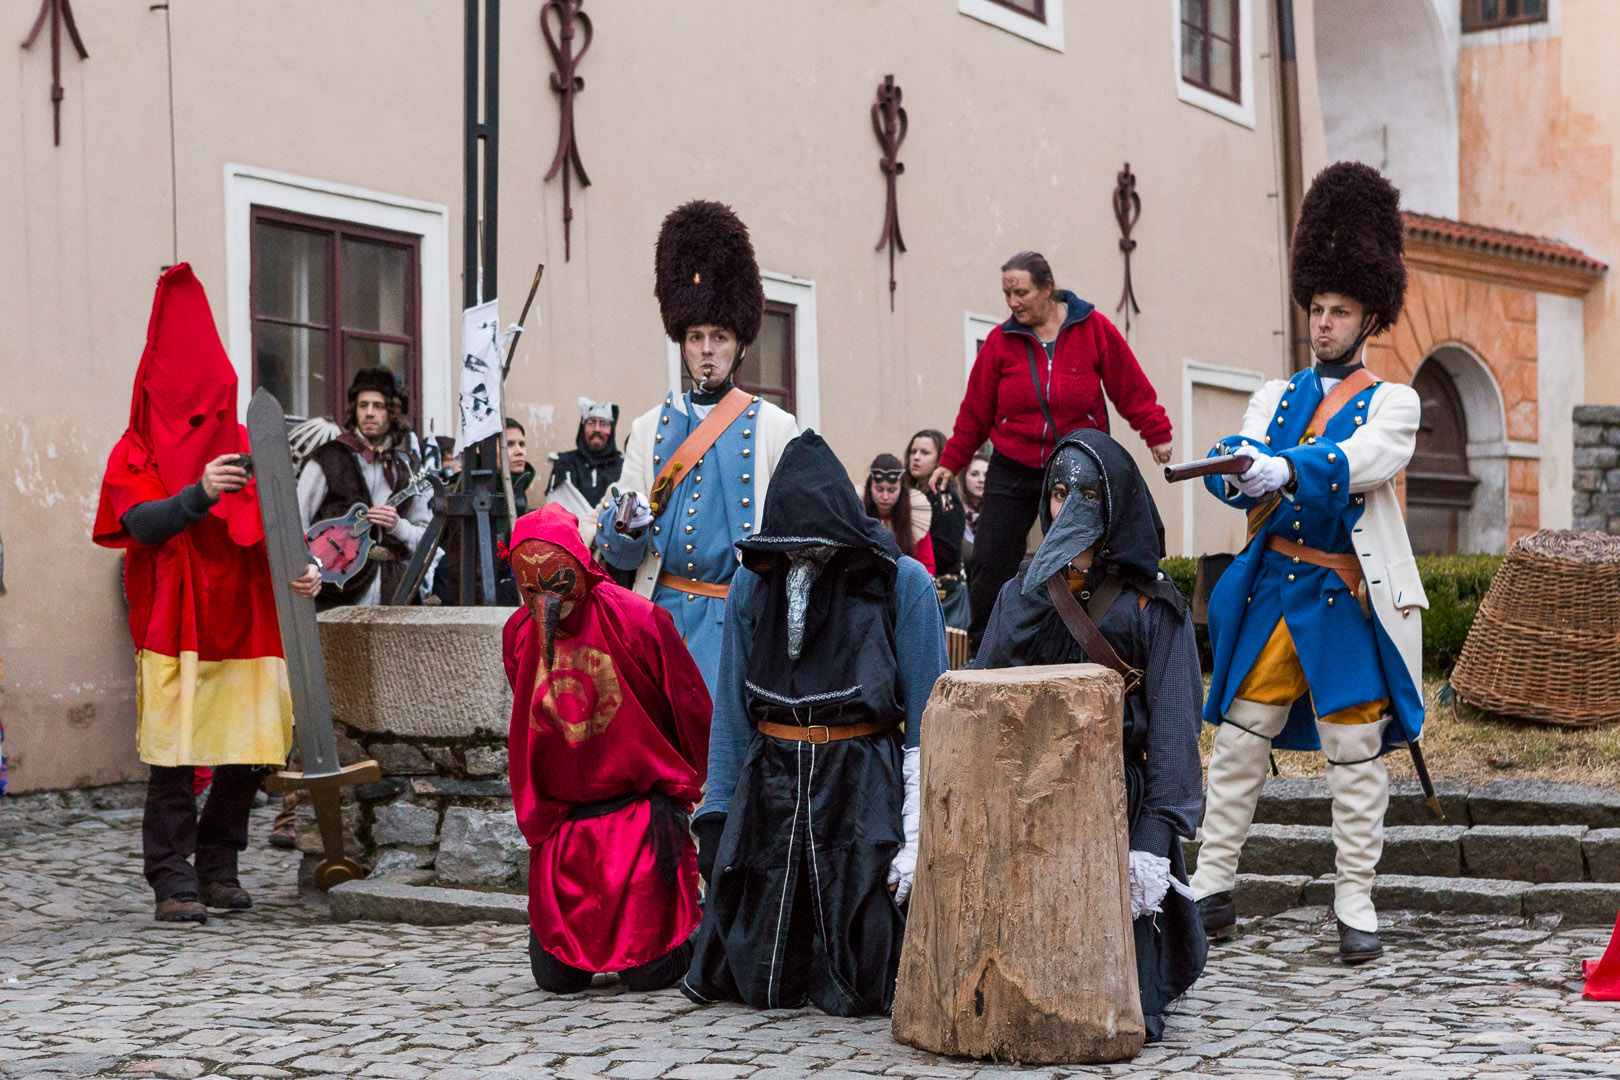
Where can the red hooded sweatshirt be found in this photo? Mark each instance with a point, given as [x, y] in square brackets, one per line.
[622, 713]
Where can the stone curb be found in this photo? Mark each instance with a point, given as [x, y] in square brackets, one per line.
[1581, 903]
[424, 905]
[1294, 800]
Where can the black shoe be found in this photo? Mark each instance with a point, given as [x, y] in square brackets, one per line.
[1358, 946]
[1218, 913]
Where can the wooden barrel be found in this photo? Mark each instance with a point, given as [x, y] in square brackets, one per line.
[1018, 944]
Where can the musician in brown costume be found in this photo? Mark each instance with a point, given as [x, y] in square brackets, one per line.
[1100, 562]
[366, 465]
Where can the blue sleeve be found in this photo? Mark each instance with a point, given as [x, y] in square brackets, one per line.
[1221, 486]
[1321, 474]
[620, 551]
[919, 643]
[729, 731]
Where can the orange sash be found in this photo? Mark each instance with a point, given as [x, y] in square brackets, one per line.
[695, 446]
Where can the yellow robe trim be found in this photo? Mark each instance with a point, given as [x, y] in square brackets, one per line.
[211, 712]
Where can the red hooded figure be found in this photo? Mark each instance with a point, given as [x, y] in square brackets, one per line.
[609, 750]
[211, 682]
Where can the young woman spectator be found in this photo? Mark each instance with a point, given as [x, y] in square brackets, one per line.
[946, 530]
[1041, 373]
[972, 498]
[906, 517]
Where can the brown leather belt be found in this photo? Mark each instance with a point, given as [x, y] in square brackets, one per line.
[1347, 566]
[692, 586]
[821, 733]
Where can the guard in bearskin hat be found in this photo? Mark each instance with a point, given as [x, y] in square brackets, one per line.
[1316, 627]
[367, 464]
[697, 466]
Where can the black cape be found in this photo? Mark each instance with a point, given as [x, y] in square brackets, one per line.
[799, 909]
[1149, 626]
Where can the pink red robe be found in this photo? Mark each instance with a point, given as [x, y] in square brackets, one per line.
[623, 712]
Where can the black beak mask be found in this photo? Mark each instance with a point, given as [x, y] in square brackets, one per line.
[1080, 523]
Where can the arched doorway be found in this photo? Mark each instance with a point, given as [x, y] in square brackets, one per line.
[1456, 485]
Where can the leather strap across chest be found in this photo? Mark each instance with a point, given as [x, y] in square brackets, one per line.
[1086, 633]
[695, 445]
[1358, 380]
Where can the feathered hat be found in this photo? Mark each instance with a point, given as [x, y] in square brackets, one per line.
[1349, 241]
[705, 272]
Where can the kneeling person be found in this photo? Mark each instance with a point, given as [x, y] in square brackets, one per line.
[808, 838]
[608, 748]
[1103, 544]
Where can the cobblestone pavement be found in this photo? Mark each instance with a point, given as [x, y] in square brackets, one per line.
[90, 986]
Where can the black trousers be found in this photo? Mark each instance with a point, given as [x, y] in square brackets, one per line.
[1011, 503]
[556, 977]
[172, 830]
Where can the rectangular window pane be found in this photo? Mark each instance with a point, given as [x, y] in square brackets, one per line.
[1222, 18]
[1193, 11]
[1489, 10]
[291, 364]
[1035, 9]
[1222, 71]
[770, 351]
[291, 273]
[359, 353]
[375, 281]
[1192, 56]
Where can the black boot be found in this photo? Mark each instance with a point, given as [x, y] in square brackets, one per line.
[1358, 946]
[1218, 913]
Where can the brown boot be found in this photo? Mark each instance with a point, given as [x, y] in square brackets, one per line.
[226, 894]
[181, 907]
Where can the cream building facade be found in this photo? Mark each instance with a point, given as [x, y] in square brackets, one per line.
[306, 158]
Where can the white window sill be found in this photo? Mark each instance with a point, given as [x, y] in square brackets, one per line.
[1048, 33]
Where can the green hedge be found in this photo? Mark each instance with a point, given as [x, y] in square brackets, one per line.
[1455, 585]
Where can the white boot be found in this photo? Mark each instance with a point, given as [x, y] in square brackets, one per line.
[1360, 788]
[1237, 772]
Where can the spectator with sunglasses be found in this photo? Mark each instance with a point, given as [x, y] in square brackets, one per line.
[902, 511]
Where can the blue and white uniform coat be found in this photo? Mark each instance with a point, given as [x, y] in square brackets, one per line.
[716, 504]
[1344, 501]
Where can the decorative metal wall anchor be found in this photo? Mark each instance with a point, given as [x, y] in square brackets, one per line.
[566, 83]
[59, 11]
[889, 123]
[1127, 208]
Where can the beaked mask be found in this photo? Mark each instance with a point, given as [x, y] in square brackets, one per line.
[804, 566]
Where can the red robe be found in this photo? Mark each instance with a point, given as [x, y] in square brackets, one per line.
[211, 684]
[624, 711]
[1603, 975]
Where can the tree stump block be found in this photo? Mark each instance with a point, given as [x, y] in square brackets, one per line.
[1018, 943]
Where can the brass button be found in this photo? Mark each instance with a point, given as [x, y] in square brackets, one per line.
[1290, 386]
[1291, 576]
[1361, 404]
[756, 399]
[1359, 421]
[1298, 508]
[1360, 499]
[657, 460]
[657, 529]
[696, 495]
[745, 453]
[748, 526]
[746, 478]
[665, 419]
[745, 502]
[1296, 557]
[690, 598]
[1311, 441]
[750, 414]
[689, 528]
[748, 433]
[659, 437]
[1279, 421]
[1332, 458]
[696, 478]
[1330, 601]
[689, 551]
[1334, 487]
[691, 566]
[1268, 441]
[690, 510]
[699, 464]
[1296, 524]
[1284, 405]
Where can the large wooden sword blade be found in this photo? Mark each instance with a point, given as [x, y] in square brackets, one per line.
[323, 777]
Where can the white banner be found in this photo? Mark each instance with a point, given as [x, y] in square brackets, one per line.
[480, 408]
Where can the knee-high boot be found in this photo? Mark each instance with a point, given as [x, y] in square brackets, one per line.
[1237, 771]
[1359, 783]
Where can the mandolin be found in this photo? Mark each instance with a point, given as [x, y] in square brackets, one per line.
[343, 544]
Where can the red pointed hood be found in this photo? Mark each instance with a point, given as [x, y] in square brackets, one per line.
[183, 408]
[555, 525]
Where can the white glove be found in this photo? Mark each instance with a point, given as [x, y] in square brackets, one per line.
[1265, 473]
[640, 512]
[904, 866]
[1150, 880]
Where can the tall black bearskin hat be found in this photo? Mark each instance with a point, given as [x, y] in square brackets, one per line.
[1349, 241]
[706, 272]
[382, 381]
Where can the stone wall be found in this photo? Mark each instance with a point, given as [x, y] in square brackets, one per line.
[1597, 468]
[422, 691]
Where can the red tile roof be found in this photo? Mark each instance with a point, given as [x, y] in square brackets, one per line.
[1489, 241]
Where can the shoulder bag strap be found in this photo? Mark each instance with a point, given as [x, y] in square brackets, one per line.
[1040, 396]
[695, 445]
[1103, 597]
[1086, 633]
[1340, 396]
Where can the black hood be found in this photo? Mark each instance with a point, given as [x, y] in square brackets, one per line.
[811, 502]
[1133, 536]
[608, 455]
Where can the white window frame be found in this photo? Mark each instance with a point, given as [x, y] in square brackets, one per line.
[1239, 112]
[974, 327]
[1197, 373]
[801, 293]
[247, 186]
[1048, 33]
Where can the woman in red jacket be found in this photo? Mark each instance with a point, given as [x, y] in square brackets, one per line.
[1040, 375]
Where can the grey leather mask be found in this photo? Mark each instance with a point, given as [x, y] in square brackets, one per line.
[804, 566]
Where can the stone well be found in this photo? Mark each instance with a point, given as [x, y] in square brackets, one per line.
[423, 692]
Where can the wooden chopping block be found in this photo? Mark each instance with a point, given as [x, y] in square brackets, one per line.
[1018, 942]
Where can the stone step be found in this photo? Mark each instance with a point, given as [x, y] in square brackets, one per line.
[1579, 903]
[424, 905]
[1540, 854]
[1292, 800]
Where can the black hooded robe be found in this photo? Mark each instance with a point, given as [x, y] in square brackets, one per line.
[798, 907]
[591, 472]
[1150, 628]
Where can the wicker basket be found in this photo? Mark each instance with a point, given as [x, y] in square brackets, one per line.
[1545, 644]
